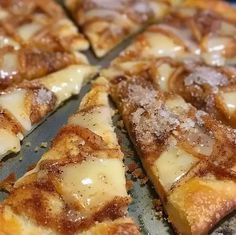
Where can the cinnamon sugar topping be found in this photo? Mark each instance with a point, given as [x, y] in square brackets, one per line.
[205, 75]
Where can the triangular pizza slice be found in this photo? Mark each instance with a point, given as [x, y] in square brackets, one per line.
[107, 23]
[78, 186]
[25, 105]
[188, 156]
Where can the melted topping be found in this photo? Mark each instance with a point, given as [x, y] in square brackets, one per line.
[172, 165]
[111, 23]
[96, 184]
[68, 81]
[161, 45]
[26, 31]
[39, 23]
[154, 116]
[229, 99]
[164, 73]
[187, 35]
[15, 103]
[9, 142]
[73, 188]
[192, 165]
[98, 121]
[9, 65]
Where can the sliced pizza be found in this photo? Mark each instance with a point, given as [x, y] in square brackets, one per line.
[209, 88]
[107, 23]
[78, 186]
[189, 156]
[189, 33]
[38, 22]
[29, 63]
[27, 104]
[36, 38]
[212, 89]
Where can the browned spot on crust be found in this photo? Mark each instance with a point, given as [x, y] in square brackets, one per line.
[8, 183]
[42, 102]
[213, 166]
[34, 199]
[94, 141]
[8, 122]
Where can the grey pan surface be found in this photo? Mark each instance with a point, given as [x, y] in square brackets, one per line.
[141, 209]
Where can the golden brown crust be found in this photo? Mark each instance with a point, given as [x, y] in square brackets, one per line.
[107, 24]
[33, 201]
[160, 124]
[36, 38]
[55, 197]
[189, 33]
[203, 86]
[31, 63]
[9, 123]
[46, 24]
[221, 7]
[39, 100]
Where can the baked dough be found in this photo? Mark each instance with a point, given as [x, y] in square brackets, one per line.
[27, 104]
[78, 186]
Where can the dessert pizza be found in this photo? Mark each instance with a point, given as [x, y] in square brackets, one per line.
[209, 88]
[196, 31]
[107, 23]
[189, 156]
[29, 63]
[73, 188]
[42, 23]
[36, 38]
[212, 89]
[25, 105]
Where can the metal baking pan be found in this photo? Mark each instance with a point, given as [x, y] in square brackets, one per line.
[142, 207]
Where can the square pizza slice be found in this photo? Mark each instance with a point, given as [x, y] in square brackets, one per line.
[107, 23]
[27, 104]
[188, 156]
[78, 186]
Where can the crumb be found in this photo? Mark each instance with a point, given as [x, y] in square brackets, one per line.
[132, 167]
[158, 207]
[144, 180]
[44, 145]
[138, 173]
[129, 185]
[36, 149]
[28, 144]
[120, 124]
[157, 204]
[21, 157]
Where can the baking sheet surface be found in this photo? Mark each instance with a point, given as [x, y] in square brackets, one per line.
[142, 207]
